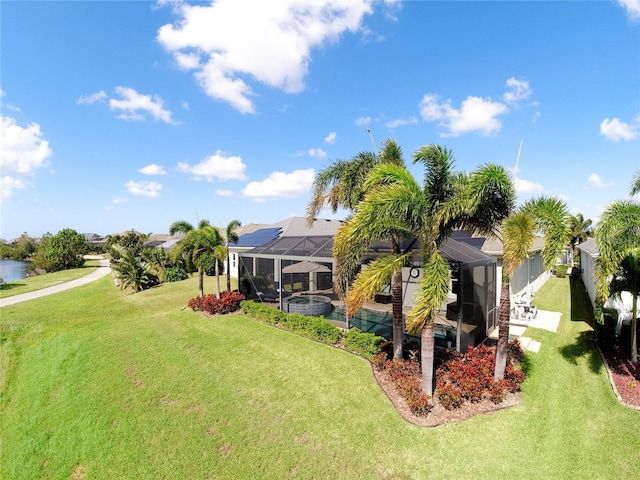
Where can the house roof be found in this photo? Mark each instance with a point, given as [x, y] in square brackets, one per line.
[589, 247]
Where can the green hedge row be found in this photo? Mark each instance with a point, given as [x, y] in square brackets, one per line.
[315, 328]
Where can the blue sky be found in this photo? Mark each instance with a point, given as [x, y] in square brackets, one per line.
[120, 115]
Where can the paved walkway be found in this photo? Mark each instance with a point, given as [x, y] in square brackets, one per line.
[102, 271]
[546, 320]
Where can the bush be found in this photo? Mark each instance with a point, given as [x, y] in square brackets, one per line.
[315, 328]
[406, 378]
[561, 271]
[469, 377]
[227, 303]
[363, 343]
[175, 274]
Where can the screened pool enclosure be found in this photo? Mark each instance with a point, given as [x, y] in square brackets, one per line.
[295, 265]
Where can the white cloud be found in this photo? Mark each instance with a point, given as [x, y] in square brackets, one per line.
[137, 106]
[595, 181]
[146, 189]
[519, 91]
[280, 184]
[317, 152]
[22, 149]
[632, 7]
[363, 121]
[525, 186]
[216, 166]
[226, 44]
[8, 185]
[118, 200]
[93, 98]
[474, 115]
[153, 169]
[617, 130]
[331, 138]
[225, 193]
[401, 122]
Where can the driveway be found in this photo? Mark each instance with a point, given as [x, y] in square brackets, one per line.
[102, 271]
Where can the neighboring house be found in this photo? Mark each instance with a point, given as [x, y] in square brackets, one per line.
[163, 240]
[588, 257]
[94, 238]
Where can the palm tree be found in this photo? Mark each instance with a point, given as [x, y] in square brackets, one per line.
[580, 231]
[198, 244]
[635, 184]
[546, 215]
[131, 270]
[344, 184]
[617, 236]
[397, 202]
[627, 279]
[231, 236]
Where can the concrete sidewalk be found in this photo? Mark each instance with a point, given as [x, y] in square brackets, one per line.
[102, 271]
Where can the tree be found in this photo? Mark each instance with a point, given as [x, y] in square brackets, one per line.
[65, 250]
[627, 279]
[198, 245]
[617, 236]
[395, 201]
[547, 215]
[230, 237]
[635, 184]
[132, 270]
[580, 230]
[344, 184]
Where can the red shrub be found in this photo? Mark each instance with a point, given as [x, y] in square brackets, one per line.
[407, 380]
[227, 303]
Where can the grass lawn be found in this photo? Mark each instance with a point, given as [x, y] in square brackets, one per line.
[43, 281]
[100, 384]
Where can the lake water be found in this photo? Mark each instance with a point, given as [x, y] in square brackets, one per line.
[12, 270]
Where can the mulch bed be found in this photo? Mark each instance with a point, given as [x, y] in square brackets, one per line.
[440, 415]
[625, 376]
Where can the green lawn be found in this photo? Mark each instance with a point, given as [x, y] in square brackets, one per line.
[43, 281]
[98, 383]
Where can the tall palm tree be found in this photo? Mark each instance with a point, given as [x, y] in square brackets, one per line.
[580, 230]
[430, 212]
[198, 244]
[617, 236]
[231, 236]
[344, 184]
[546, 215]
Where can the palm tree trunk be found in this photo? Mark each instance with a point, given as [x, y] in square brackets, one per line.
[634, 328]
[217, 281]
[396, 303]
[502, 349]
[228, 272]
[201, 282]
[426, 355]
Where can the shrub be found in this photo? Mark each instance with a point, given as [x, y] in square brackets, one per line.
[175, 274]
[227, 303]
[406, 378]
[470, 377]
[561, 271]
[308, 326]
[363, 343]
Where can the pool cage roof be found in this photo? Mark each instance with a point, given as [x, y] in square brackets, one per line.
[321, 247]
[304, 247]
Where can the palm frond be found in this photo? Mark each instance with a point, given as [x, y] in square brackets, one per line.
[372, 279]
[518, 232]
[433, 292]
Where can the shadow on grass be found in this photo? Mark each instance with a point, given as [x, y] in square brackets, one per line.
[584, 347]
[581, 308]
[11, 285]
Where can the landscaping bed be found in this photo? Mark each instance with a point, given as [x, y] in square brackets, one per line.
[625, 376]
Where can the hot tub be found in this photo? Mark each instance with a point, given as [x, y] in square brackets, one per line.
[315, 305]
